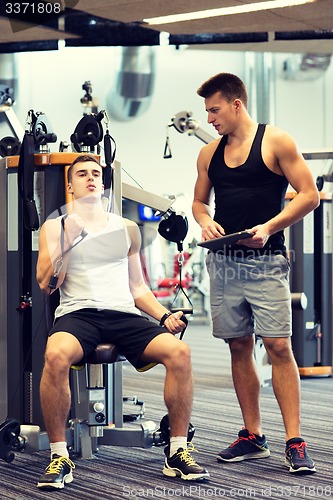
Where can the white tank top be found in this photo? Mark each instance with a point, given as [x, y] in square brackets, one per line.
[97, 273]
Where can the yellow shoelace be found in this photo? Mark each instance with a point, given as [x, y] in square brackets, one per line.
[57, 463]
[185, 455]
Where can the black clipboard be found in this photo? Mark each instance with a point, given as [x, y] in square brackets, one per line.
[227, 240]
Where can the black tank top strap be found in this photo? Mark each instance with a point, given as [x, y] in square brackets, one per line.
[260, 133]
[224, 140]
[222, 144]
[255, 151]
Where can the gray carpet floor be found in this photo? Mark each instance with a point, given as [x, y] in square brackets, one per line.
[122, 472]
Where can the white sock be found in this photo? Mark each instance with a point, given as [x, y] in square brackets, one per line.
[59, 448]
[177, 442]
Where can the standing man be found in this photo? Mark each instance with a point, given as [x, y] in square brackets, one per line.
[93, 257]
[249, 169]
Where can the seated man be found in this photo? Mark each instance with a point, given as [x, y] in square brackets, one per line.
[93, 257]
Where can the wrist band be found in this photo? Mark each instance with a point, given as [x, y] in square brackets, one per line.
[164, 317]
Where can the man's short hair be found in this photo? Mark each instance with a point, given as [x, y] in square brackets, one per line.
[230, 86]
[80, 159]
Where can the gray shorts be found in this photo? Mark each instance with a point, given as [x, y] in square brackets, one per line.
[249, 295]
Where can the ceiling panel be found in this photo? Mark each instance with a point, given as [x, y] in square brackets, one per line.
[119, 22]
[313, 16]
[135, 10]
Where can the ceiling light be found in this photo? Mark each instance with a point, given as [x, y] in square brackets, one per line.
[226, 11]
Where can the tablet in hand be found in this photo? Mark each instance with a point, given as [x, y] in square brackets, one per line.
[227, 240]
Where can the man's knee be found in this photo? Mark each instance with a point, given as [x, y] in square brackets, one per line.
[56, 360]
[179, 356]
[241, 346]
[279, 348]
[62, 351]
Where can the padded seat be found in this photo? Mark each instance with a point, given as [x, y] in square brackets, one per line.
[104, 354]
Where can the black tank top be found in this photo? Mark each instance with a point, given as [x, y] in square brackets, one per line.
[247, 195]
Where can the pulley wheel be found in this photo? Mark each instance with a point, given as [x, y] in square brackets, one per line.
[9, 146]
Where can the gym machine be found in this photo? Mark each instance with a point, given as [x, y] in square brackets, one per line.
[310, 243]
[10, 146]
[18, 250]
[183, 122]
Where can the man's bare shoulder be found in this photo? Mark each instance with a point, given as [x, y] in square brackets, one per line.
[130, 224]
[211, 146]
[132, 228]
[134, 234]
[276, 133]
[208, 150]
[51, 225]
[49, 233]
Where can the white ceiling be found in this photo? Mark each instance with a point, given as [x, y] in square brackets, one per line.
[313, 21]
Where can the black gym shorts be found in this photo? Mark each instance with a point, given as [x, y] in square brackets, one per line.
[129, 332]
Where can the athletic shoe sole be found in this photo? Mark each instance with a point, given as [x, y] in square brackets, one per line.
[248, 456]
[171, 472]
[50, 486]
[300, 470]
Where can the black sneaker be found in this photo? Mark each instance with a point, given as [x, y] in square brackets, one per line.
[246, 447]
[297, 457]
[57, 473]
[181, 464]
